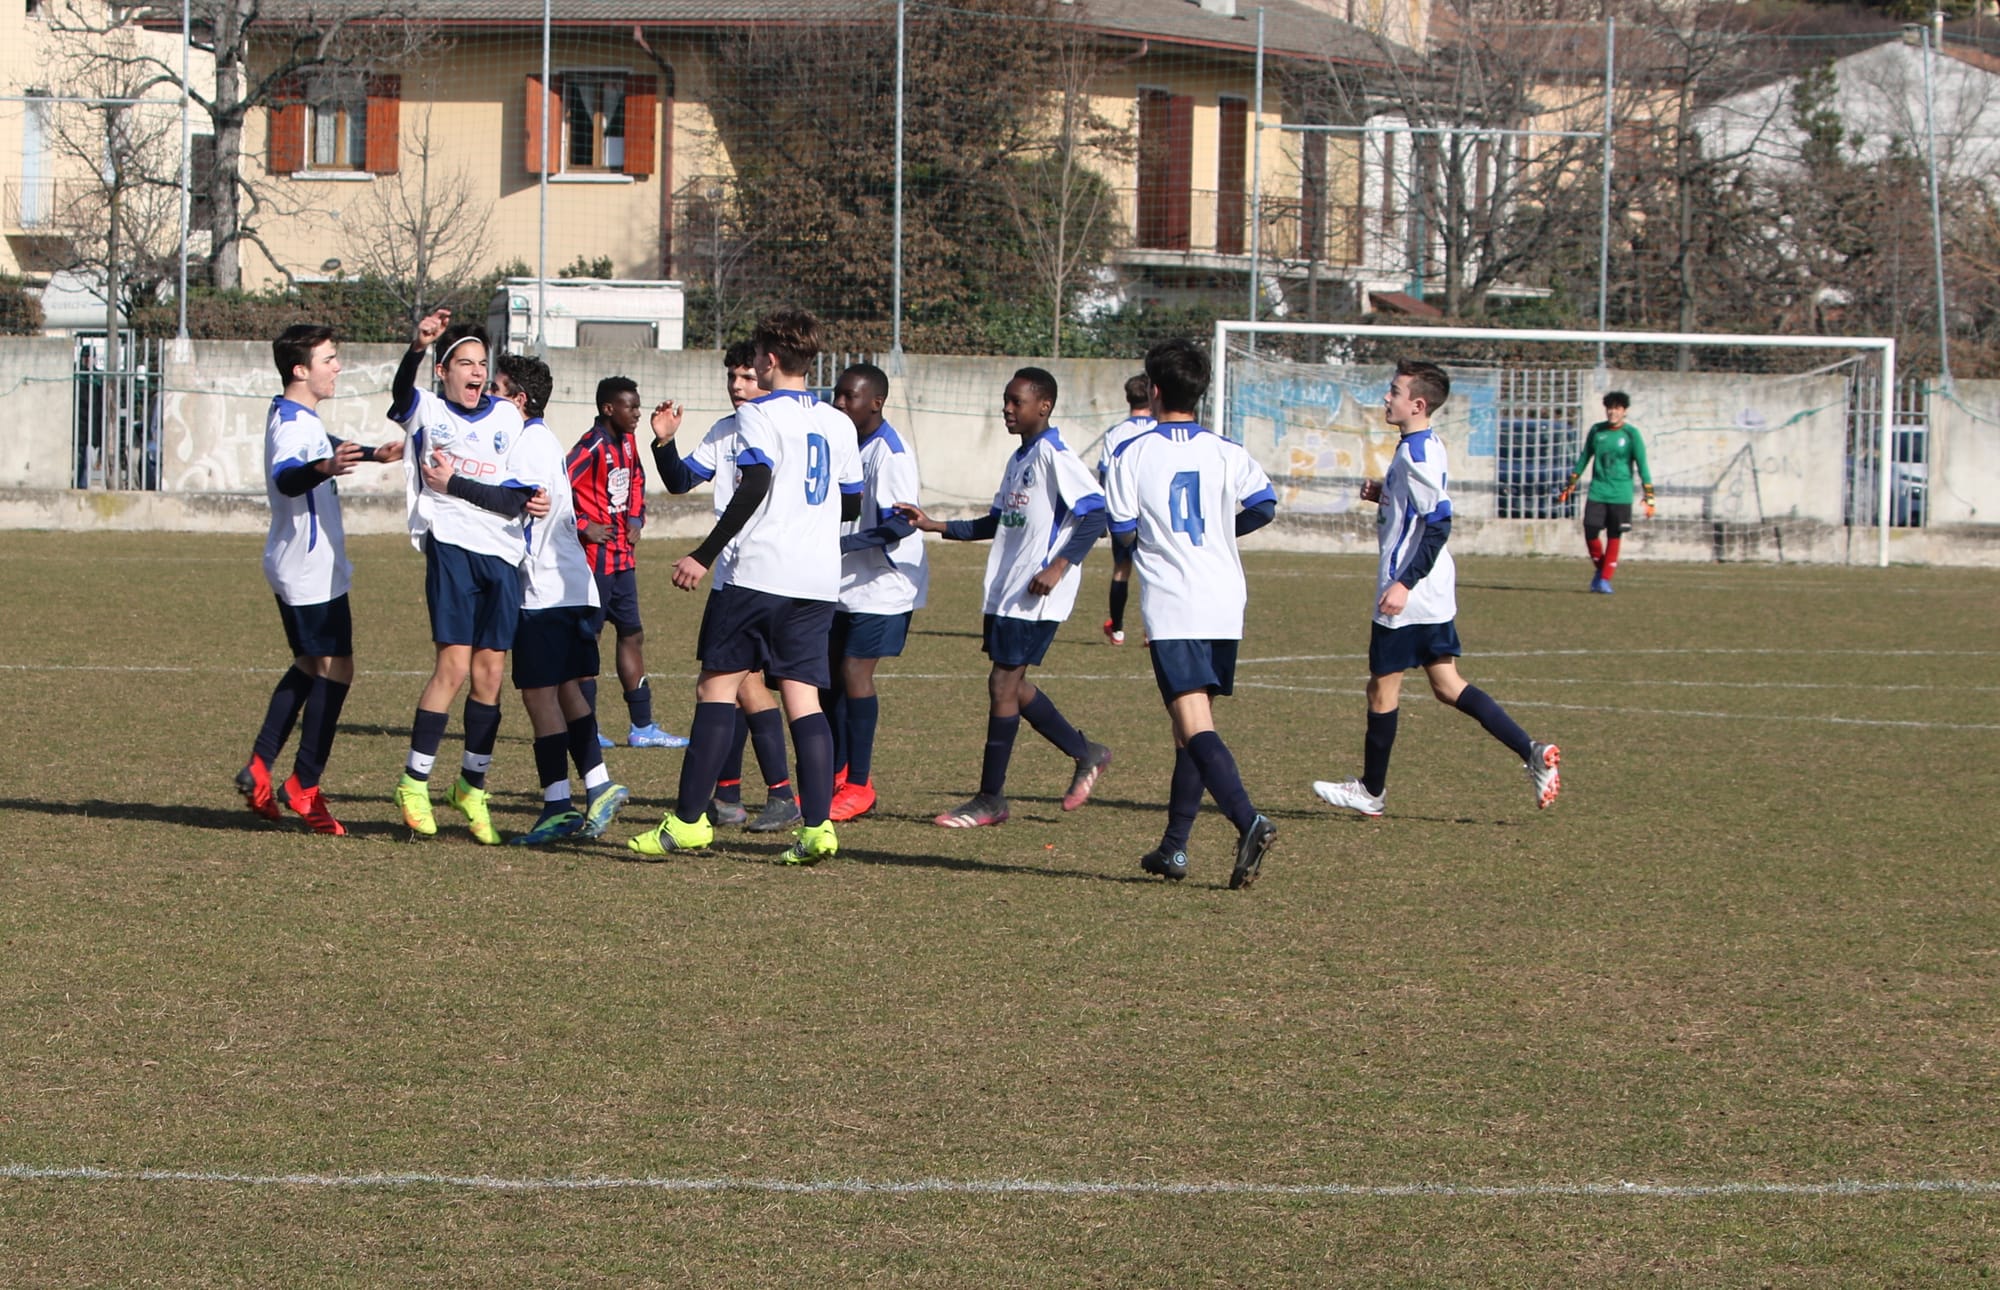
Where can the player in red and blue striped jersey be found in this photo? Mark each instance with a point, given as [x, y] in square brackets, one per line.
[608, 480]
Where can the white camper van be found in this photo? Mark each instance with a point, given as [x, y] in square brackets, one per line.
[588, 313]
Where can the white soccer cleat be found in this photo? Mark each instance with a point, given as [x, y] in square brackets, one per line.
[1349, 795]
[1543, 773]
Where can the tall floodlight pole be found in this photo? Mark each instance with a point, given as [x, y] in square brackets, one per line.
[187, 169]
[1256, 184]
[1604, 210]
[542, 246]
[896, 252]
[1933, 37]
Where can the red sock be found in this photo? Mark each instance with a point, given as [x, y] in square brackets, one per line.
[1610, 558]
[1596, 546]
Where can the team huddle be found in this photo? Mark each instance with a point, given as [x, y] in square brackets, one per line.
[816, 567]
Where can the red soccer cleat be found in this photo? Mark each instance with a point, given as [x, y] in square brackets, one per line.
[254, 782]
[312, 808]
[852, 801]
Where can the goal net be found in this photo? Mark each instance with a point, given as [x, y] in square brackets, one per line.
[1760, 447]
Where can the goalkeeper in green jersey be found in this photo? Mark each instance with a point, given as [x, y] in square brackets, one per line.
[1612, 449]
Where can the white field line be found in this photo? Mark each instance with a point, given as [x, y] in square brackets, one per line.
[1018, 1186]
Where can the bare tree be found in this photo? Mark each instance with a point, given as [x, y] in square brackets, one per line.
[291, 39]
[422, 231]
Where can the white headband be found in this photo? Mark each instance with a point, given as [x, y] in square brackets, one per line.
[446, 356]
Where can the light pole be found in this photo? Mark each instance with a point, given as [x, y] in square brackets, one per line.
[1932, 36]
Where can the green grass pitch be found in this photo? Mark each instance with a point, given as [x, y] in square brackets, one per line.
[1752, 952]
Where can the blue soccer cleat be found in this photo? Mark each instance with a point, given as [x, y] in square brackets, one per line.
[654, 737]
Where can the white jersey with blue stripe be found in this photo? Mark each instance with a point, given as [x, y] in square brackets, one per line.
[1042, 492]
[1414, 493]
[894, 579]
[1178, 487]
[791, 546]
[305, 550]
[1117, 437]
[556, 571]
[477, 443]
[714, 459]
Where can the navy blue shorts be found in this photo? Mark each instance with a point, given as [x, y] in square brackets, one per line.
[619, 593]
[475, 599]
[324, 630]
[1018, 642]
[868, 635]
[1182, 667]
[744, 630]
[1122, 546]
[1398, 649]
[555, 645]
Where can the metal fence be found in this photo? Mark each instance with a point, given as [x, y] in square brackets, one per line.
[115, 422]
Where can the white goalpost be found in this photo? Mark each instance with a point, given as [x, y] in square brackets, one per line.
[1771, 422]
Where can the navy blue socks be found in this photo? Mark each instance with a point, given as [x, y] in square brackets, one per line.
[1219, 774]
[482, 731]
[767, 737]
[640, 702]
[1375, 748]
[708, 744]
[1053, 726]
[859, 755]
[583, 749]
[290, 696]
[1480, 706]
[316, 733]
[1183, 801]
[812, 740]
[1000, 732]
[426, 733]
[1119, 593]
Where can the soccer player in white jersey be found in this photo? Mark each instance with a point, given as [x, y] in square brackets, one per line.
[884, 580]
[468, 515]
[1044, 520]
[1416, 601]
[555, 647]
[798, 479]
[305, 561]
[1138, 420]
[759, 719]
[1186, 494]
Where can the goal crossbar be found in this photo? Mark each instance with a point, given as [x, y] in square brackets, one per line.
[1883, 345]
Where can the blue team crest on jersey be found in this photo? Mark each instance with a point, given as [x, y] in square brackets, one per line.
[1028, 477]
[499, 441]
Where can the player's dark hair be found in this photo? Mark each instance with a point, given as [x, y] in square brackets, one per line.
[877, 379]
[295, 345]
[742, 354]
[1427, 382]
[1041, 379]
[612, 386]
[446, 343]
[1139, 391]
[1617, 399]
[1179, 369]
[531, 377]
[792, 335]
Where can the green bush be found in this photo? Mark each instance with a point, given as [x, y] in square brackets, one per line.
[20, 310]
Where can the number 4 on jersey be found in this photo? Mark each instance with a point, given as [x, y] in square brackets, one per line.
[1184, 505]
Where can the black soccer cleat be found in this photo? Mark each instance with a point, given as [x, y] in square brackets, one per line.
[1250, 849]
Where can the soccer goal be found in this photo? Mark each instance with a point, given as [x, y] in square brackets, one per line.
[1760, 447]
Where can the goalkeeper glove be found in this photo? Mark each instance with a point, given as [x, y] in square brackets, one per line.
[1650, 512]
[1568, 488]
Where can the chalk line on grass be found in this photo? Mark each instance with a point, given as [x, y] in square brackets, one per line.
[1014, 1186]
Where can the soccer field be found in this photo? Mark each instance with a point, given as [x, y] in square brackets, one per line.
[1729, 1012]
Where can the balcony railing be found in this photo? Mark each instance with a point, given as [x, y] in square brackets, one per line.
[1212, 223]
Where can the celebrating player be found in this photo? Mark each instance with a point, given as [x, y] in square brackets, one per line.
[1614, 449]
[609, 484]
[883, 582]
[1138, 419]
[793, 454]
[1186, 494]
[759, 720]
[1416, 601]
[555, 647]
[1047, 503]
[305, 561]
[467, 515]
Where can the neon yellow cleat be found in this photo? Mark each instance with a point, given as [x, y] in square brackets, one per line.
[815, 843]
[472, 804]
[674, 834]
[414, 796]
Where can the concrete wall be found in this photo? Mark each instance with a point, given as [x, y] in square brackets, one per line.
[1747, 470]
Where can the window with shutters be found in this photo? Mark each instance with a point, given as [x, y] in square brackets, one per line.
[593, 121]
[336, 121]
